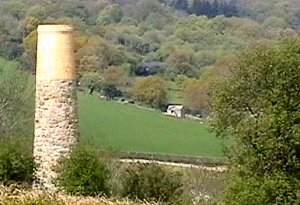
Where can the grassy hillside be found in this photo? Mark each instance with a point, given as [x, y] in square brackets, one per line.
[128, 128]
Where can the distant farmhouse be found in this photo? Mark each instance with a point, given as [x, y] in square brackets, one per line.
[177, 111]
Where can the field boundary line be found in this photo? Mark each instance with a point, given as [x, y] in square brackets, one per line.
[176, 164]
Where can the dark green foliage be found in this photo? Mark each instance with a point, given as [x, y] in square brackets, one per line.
[83, 172]
[259, 106]
[181, 4]
[110, 14]
[151, 182]
[212, 9]
[16, 161]
[110, 91]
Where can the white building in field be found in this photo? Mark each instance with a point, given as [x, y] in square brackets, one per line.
[177, 111]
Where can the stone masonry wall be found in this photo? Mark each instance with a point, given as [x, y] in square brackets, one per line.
[56, 126]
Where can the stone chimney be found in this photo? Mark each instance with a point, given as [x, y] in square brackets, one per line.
[56, 121]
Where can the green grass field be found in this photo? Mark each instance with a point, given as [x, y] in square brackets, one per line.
[128, 128]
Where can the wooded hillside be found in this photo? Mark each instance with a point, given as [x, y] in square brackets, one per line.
[186, 43]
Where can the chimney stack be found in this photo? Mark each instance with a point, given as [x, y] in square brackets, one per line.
[56, 121]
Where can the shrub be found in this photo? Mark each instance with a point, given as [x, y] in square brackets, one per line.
[16, 161]
[151, 182]
[263, 190]
[83, 172]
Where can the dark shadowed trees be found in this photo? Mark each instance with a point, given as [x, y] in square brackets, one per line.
[180, 4]
[214, 8]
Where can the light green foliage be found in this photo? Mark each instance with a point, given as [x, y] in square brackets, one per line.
[183, 62]
[156, 21]
[259, 106]
[110, 14]
[277, 189]
[16, 100]
[98, 54]
[151, 90]
[91, 81]
[125, 35]
[89, 63]
[274, 23]
[113, 33]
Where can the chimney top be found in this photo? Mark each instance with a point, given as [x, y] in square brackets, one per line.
[54, 28]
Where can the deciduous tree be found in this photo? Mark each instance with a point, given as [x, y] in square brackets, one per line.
[151, 90]
[91, 81]
[110, 14]
[182, 62]
[258, 105]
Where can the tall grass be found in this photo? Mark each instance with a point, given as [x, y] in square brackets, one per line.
[15, 196]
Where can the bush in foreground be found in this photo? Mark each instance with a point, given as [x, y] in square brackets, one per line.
[16, 161]
[263, 190]
[83, 172]
[151, 182]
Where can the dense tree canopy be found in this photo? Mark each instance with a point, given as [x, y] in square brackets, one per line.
[183, 37]
[258, 105]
